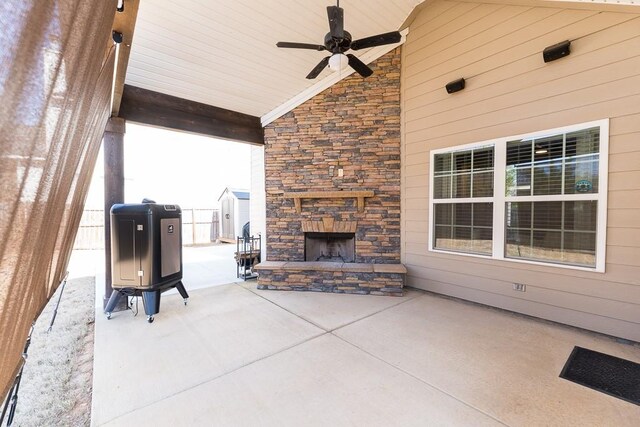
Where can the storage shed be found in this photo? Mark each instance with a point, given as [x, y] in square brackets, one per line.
[234, 213]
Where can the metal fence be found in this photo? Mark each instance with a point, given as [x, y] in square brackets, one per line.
[199, 227]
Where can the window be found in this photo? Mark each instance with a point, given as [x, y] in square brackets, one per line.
[463, 180]
[533, 198]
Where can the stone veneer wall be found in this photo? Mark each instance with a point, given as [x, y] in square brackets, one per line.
[354, 125]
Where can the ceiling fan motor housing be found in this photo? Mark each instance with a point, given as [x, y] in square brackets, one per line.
[334, 45]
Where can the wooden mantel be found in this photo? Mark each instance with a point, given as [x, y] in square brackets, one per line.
[299, 195]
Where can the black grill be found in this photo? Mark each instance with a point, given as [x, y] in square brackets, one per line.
[146, 254]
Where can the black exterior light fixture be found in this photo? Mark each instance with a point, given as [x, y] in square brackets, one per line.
[557, 51]
[455, 86]
[117, 37]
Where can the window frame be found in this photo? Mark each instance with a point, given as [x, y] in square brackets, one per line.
[500, 198]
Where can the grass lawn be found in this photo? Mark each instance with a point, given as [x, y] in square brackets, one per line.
[57, 381]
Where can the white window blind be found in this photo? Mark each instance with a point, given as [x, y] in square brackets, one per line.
[463, 181]
[545, 230]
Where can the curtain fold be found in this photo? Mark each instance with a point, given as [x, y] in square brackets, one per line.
[55, 94]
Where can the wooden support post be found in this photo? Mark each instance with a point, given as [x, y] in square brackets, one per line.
[113, 144]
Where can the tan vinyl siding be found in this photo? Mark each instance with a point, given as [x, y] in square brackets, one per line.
[511, 91]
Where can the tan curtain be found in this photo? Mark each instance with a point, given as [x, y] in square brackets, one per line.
[56, 68]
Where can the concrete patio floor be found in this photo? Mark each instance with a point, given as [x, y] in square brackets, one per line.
[239, 356]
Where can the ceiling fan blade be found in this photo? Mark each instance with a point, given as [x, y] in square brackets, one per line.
[318, 69]
[292, 45]
[336, 21]
[379, 40]
[360, 67]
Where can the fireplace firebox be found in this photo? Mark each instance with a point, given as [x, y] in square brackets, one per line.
[330, 247]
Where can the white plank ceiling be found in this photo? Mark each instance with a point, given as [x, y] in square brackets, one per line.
[223, 52]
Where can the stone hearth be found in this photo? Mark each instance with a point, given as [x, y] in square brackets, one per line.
[350, 278]
[332, 165]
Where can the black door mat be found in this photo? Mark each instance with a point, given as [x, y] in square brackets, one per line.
[609, 374]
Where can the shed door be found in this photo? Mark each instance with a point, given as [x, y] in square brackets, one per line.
[227, 219]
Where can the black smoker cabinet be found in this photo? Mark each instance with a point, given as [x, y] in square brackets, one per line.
[146, 254]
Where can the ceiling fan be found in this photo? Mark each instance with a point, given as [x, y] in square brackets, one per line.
[338, 41]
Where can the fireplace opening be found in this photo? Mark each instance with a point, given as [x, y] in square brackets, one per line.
[331, 247]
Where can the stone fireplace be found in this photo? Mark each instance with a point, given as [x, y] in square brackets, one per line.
[332, 171]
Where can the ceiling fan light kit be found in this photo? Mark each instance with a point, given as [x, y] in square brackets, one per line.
[338, 41]
[338, 61]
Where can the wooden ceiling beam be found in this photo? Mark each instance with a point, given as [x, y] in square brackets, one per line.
[170, 112]
[124, 23]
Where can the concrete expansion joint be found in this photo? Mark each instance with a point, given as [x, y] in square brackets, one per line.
[218, 376]
[428, 384]
[373, 314]
[339, 327]
[285, 309]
